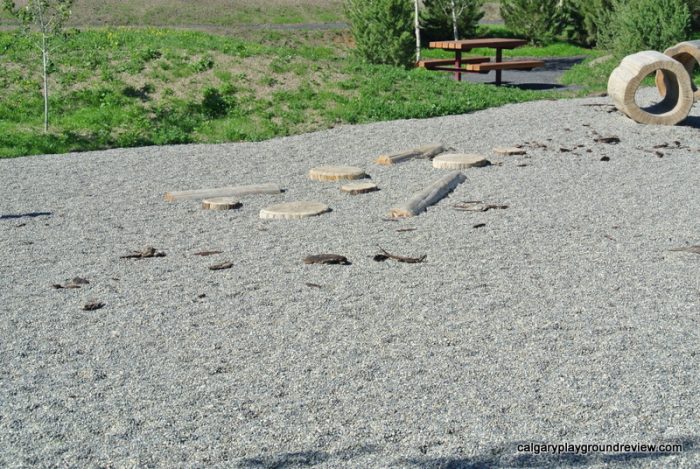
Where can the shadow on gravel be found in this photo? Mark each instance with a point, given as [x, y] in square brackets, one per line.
[25, 215]
[304, 458]
[691, 121]
[507, 456]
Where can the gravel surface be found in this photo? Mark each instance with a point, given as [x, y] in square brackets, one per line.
[564, 318]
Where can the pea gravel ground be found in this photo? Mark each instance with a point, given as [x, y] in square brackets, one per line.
[565, 318]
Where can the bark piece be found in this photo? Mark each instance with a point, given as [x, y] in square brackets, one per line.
[222, 266]
[427, 151]
[459, 161]
[510, 151]
[355, 188]
[207, 253]
[626, 79]
[144, 254]
[326, 259]
[221, 203]
[234, 191]
[93, 306]
[294, 210]
[409, 260]
[613, 140]
[336, 173]
[477, 206]
[428, 196]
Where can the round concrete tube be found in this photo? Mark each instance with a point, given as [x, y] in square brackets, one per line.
[627, 77]
[688, 54]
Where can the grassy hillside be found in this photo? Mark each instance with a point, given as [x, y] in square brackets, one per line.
[202, 12]
[123, 87]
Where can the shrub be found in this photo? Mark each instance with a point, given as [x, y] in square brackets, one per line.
[584, 18]
[637, 25]
[540, 21]
[383, 30]
[437, 23]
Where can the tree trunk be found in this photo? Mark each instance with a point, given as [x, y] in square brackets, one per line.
[455, 28]
[417, 26]
[45, 62]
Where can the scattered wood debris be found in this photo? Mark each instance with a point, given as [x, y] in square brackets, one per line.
[327, 259]
[75, 282]
[479, 225]
[565, 150]
[313, 285]
[477, 206]
[692, 249]
[146, 253]
[404, 230]
[510, 151]
[222, 266]
[202, 295]
[207, 253]
[425, 152]
[611, 140]
[93, 306]
[409, 260]
[605, 158]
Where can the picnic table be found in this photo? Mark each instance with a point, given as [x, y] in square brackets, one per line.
[480, 64]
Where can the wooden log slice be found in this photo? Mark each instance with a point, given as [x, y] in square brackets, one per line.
[235, 191]
[293, 210]
[509, 151]
[336, 173]
[355, 188]
[459, 161]
[626, 79]
[688, 54]
[221, 203]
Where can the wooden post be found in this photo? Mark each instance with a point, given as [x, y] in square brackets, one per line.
[458, 64]
[499, 72]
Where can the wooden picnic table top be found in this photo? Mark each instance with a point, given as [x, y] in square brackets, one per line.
[469, 44]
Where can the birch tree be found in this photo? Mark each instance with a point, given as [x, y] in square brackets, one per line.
[416, 23]
[46, 18]
[454, 9]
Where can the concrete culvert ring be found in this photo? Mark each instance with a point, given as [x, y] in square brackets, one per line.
[688, 54]
[626, 79]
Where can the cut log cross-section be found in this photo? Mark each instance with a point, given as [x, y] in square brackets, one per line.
[294, 210]
[626, 79]
[428, 196]
[235, 191]
[336, 173]
[221, 203]
[427, 151]
[688, 54]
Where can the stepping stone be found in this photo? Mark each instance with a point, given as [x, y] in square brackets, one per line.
[509, 151]
[459, 161]
[294, 210]
[359, 187]
[221, 203]
[336, 173]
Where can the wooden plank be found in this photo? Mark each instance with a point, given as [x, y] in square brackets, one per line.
[510, 65]
[427, 151]
[234, 191]
[430, 64]
[467, 44]
[428, 196]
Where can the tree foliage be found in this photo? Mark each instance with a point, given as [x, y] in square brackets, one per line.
[540, 21]
[442, 19]
[383, 30]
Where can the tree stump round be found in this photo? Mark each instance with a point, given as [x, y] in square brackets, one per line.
[626, 79]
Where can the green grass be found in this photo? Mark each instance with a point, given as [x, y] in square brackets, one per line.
[123, 87]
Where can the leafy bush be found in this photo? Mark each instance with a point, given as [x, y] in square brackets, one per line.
[383, 30]
[637, 25]
[540, 21]
[584, 19]
[437, 22]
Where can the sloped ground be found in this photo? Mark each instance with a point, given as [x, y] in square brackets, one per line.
[565, 318]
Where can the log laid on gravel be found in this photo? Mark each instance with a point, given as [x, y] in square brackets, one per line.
[459, 161]
[355, 188]
[626, 79]
[427, 151]
[688, 54]
[428, 196]
[234, 191]
[221, 203]
[336, 173]
[293, 210]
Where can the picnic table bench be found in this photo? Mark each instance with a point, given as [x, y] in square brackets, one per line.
[480, 64]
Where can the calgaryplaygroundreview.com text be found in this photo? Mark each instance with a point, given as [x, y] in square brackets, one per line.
[570, 448]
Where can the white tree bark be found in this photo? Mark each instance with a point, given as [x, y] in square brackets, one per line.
[455, 28]
[417, 27]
